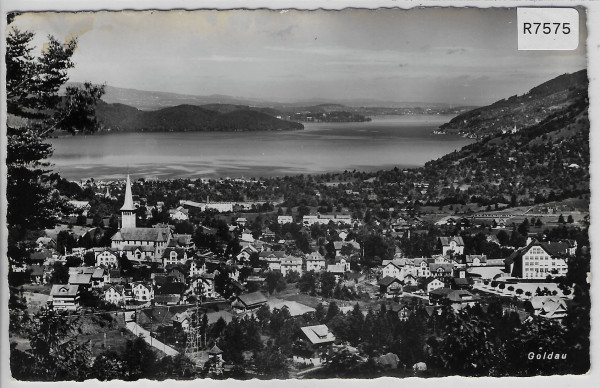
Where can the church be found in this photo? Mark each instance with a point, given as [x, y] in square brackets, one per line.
[139, 244]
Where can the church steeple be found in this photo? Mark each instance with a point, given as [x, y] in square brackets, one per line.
[128, 210]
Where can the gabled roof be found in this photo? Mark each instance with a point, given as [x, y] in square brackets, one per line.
[446, 267]
[80, 278]
[398, 263]
[171, 288]
[447, 240]
[318, 334]
[144, 234]
[315, 256]
[64, 290]
[252, 299]
[215, 350]
[274, 254]
[180, 253]
[552, 248]
[336, 268]
[386, 281]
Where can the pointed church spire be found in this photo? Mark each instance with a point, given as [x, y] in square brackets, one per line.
[128, 204]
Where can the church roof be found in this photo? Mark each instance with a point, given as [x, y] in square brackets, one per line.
[143, 234]
[128, 204]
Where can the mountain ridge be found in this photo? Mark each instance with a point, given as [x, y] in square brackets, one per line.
[517, 112]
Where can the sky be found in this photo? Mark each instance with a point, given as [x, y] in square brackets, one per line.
[456, 56]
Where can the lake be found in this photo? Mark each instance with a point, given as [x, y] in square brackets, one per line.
[385, 142]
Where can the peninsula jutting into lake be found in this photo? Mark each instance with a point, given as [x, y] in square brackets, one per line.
[361, 211]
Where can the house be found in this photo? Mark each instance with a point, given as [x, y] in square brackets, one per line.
[84, 280]
[170, 294]
[315, 262]
[285, 219]
[475, 260]
[341, 260]
[241, 222]
[272, 259]
[547, 306]
[441, 270]
[176, 274]
[179, 214]
[404, 312]
[142, 292]
[318, 335]
[37, 274]
[338, 270]
[248, 302]
[390, 287]
[182, 241]
[245, 253]
[97, 278]
[46, 242]
[310, 220]
[456, 298]
[421, 265]
[106, 258]
[538, 260]
[197, 268]
[181, 320]
[115, 294]
[393, 268]
[433, 284]
[410, 280]
[454, 245]
[64, 297]
[461, 283]
[173, 256]
[289, 264]
[204, 285]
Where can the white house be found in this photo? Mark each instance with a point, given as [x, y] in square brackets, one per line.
[179, 214]
[115, 294]
[106, 258]
[289, 264]
[285, 219]
[454, 244]
[434, 284]
[65, 297]
[142, 292]
[393, 268]
[315, 262]
[310, 220]
[173, 256]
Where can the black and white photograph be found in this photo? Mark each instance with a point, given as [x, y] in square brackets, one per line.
[296, 193]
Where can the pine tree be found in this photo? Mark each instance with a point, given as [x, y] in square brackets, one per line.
[34, 111]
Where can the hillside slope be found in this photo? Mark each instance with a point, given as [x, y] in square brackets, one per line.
[123, 118]
[518, 112]
[540, 163]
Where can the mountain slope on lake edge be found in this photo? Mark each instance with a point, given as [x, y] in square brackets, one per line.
[124, 118]
[516, 112]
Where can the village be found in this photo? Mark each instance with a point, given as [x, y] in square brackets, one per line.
[169, 283]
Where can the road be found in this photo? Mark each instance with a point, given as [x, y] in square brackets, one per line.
[137, 330]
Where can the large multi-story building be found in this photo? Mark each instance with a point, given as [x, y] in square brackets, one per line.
[538, 260]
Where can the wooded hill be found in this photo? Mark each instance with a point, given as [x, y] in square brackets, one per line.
[190, 118]
[518, 112]
[543, 162]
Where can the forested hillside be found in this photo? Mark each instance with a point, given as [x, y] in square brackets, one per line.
[518, 112]
[120, 117]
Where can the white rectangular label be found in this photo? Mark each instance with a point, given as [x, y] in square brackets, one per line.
[548, 28]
